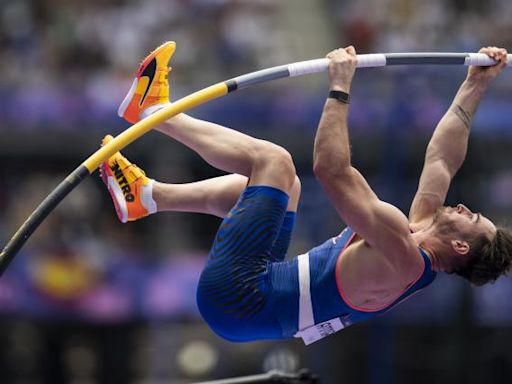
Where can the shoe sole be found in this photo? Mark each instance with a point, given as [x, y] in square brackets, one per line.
[115, 192]
[127, 99]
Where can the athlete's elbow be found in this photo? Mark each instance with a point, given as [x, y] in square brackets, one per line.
[451, 159]
[448, 166]
[320, 168]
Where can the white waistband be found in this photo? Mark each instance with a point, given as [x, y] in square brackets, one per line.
[308, 330]
[306, 318]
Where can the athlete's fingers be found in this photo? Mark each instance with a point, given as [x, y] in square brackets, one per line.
[350, 50]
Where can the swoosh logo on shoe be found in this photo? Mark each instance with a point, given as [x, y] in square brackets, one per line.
[149, 72]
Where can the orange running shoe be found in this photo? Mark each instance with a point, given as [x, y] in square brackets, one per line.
[130, 188]
[151, 86]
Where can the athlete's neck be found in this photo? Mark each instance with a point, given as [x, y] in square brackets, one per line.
[430, 243]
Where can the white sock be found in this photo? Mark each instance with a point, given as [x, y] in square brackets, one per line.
[150, 110]
[146, 197]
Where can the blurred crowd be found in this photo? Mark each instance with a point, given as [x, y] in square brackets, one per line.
[66, 64]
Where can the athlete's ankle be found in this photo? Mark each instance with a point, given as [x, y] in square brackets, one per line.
[154, 108]
[147, 199]
[159, 195]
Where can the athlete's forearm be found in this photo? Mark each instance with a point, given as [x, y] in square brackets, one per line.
[450, 139]
[470, 93]
[332, 149]
[331, 154]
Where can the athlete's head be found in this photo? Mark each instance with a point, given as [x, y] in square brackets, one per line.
[483, 251]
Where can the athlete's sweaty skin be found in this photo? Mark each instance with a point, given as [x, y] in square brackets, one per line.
[384, 260]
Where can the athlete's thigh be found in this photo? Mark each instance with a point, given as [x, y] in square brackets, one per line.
[234, 275]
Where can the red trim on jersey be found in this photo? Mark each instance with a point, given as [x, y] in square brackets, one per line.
[343, 294]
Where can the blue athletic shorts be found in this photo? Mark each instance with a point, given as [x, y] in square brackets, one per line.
[234, 291]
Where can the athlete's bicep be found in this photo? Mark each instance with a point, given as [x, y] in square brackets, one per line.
[432, 190]
[380, 224]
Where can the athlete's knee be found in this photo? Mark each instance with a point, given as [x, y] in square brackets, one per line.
[275, 160]
[282, 160]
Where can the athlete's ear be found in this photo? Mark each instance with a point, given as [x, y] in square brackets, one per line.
[460, 246]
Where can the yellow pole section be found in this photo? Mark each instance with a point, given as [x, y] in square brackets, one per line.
[145, 125]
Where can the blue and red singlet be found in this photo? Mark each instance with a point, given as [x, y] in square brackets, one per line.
[248, 292]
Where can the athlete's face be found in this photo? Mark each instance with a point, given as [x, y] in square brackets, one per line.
[462, 220]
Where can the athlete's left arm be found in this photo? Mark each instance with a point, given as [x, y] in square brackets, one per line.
[447, 148]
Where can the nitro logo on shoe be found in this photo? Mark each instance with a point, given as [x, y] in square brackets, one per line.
[123, 183]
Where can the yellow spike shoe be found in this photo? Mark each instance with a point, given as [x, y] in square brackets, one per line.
[130, 188]
[151, 86]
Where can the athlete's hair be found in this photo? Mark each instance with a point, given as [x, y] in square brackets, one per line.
[489, 259]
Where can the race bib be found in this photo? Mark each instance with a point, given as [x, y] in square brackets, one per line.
[321, 330]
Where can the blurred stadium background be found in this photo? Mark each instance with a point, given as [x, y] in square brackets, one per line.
[89, 300]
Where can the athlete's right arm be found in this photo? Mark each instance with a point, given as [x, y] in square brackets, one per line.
[380, 224]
